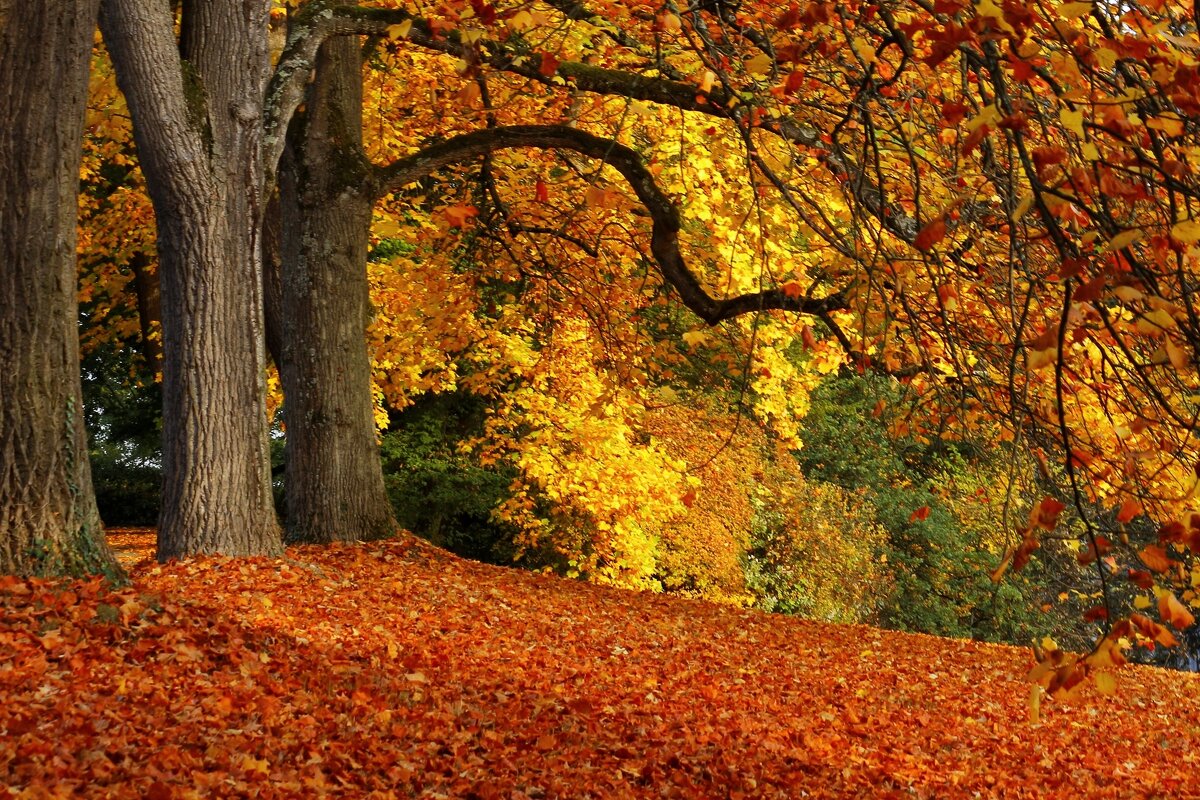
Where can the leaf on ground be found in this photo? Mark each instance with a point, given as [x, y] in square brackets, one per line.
[531, 686]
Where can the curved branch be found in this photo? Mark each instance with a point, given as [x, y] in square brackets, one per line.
[321, 19]
[664, 241]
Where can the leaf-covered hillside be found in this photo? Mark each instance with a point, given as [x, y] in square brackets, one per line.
[396, 670]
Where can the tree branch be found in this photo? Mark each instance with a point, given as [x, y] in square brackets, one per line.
[664, 241]
[323, 19]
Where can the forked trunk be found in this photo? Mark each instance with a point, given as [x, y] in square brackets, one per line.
[335, 489]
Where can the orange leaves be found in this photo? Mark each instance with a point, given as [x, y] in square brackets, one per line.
[1170, 610]
[1042, 517]
[505, 680]
[930, 235]
[1155, 558]
[1045, 515]
[1143, 626]
[459, 215]
[1129, 509]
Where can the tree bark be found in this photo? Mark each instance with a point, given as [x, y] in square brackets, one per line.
[197, 109]
[149, 307]
[48, 519]
[335, 489]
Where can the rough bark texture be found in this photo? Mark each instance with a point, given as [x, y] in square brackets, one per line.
[48, 519]
[197, 111]
[334, 479]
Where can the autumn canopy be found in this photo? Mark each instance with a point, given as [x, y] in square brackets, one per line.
[866, 312]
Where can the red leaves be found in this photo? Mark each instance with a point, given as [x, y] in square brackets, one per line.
[549, 65]
[395, 668]
[1140, 578]
[920, 515]
[1091, 291]
[953, 113]
[789, 18]
[930, 235]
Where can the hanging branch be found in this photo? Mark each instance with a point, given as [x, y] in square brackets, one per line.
[664, 241]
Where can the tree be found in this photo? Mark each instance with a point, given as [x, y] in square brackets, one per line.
[334, 480]
[991, 204]
[48, 518]
[327, 191]
[197, 106]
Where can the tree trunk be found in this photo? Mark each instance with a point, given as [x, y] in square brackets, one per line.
[334, 479]
[149, 307]
[48, 519]
[272, 286]
[197, 110]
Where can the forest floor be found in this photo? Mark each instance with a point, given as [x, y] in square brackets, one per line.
[394, 669]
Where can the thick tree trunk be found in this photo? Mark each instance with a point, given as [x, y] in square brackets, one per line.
[198, 126]
[334, 479]
[48, 519]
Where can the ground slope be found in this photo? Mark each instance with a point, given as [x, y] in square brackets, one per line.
[396, 670]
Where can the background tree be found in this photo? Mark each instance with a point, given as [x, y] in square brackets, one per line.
[334, 482]
[48, 519]
[198, 122]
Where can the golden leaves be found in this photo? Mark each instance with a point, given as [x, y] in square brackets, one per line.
[400, 30]
[1072, 120]
[1187, 232]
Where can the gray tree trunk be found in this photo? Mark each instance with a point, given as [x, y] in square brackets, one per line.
[334, 479]
[197, 108]
[48, 519]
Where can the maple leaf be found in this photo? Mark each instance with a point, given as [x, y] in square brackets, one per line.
[1155, 558]
[1129, 509]
[930, 235]
[789, 18]
[792, 289]
[1174, 612]
[549, 65]
[458, 216]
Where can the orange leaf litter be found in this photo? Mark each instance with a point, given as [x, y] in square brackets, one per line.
[396, 670]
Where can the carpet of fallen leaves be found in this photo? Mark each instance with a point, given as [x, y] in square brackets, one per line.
[396, 670]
